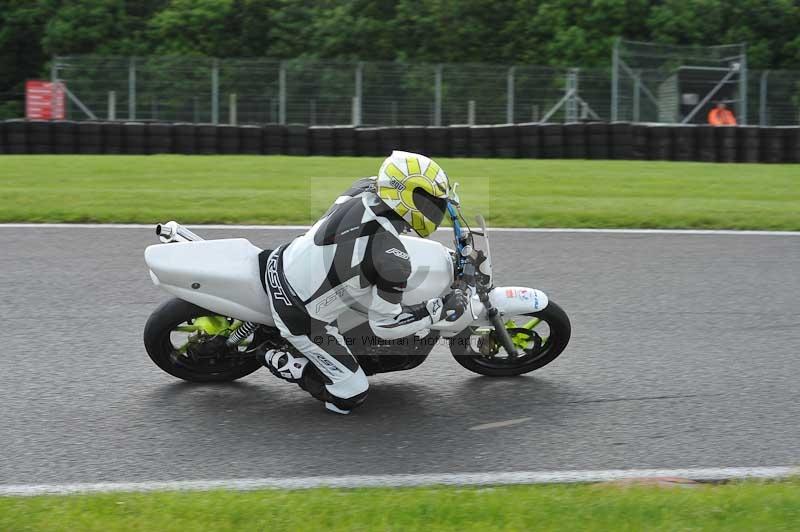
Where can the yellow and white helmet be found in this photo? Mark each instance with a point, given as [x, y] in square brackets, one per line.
[416, 188]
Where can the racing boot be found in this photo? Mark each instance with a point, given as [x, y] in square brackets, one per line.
[285, 365]
[294, 368]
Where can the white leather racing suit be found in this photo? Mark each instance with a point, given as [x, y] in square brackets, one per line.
[352, 257]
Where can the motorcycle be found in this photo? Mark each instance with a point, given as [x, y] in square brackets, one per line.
[219, 320]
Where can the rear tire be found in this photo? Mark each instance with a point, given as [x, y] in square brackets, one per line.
[162, 352]
[560, 331]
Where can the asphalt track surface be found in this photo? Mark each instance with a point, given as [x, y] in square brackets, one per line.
[685, 353]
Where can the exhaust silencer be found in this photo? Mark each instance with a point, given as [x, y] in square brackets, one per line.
[172, 231]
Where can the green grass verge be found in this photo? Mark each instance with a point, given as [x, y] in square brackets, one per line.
[295, 190]
[740, 506]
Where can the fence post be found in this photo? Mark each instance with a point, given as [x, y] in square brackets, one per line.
[53, 81]
[636, 98]
[282, 94]
[615, 80]
[471, 112]
[762, 97]
[132, 89]
[112, 105]
[437, 97]
[215, 91]
[232, 118]
[743, 88]
[358, 97]
[571, 105]
[510, 97]
[355, 120]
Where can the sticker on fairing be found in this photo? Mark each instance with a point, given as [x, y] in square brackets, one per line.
[519, 299]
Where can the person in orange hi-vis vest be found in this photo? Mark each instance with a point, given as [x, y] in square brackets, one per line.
[721, 116]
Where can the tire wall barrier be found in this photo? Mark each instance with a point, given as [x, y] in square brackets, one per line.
[576, 140]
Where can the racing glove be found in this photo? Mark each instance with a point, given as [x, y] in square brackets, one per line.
[449, 308]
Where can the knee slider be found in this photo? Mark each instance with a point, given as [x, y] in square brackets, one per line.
[355, 388]
[349, 403]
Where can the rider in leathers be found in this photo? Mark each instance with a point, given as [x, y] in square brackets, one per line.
[352, 257]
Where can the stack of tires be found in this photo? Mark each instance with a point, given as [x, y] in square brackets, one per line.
[660, 143]
[321, 140]
[368, 141]
[505, 141]
[437, 141]
[297, 139]
[684, 143]
[16, 136]
[390, 139]
[113, 140]
[65, 138]
[621, 140]
[344, 140]
[598, 139]
[185, 138]
[640, 141]
[228, 140]
[274, 137]
[251, 140]
[706, 143]
[480, 141]
[413, 139]
[459, 141]
[552, 141]
[90, 138]
[791, 144]
[748, 139]
[726, 144]
[206, 139]
[134, 136]
[529, 140]
[594, 140]
[40, 137]
[575, 140]
[159, 138]
[771, 145]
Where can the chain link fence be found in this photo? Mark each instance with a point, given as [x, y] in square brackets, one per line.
[316, 92]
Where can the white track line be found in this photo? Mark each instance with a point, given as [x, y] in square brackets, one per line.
[370, 481]
[445, 229]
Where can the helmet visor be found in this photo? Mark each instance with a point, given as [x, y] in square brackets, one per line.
[431, 207]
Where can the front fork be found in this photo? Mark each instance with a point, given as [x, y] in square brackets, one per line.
[493, 315]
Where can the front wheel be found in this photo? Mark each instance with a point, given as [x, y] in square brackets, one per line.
[541, 337]
[188, 342]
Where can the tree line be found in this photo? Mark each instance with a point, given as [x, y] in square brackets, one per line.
[540, 32]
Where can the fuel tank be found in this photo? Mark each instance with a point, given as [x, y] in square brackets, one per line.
[431, 269]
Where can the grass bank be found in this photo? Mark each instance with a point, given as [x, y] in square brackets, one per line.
[739, 506]
[295, 190]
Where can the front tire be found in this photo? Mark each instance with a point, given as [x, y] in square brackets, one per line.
[158, 343]
[463, 347]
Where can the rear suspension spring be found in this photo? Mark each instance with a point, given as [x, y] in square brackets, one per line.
[245, 329]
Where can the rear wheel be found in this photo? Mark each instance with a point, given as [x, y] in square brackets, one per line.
[541, 336]
[188, 342]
